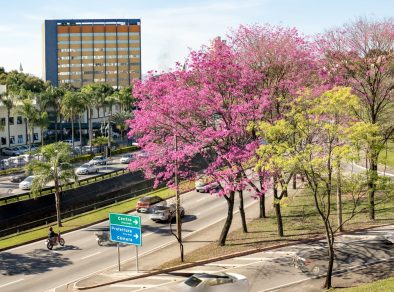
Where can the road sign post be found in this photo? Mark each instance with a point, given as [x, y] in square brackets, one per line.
[126, 229]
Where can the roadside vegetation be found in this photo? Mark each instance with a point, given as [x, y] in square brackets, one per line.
[85, 219]
[301, 221]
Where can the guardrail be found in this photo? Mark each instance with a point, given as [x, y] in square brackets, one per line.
[71, 185]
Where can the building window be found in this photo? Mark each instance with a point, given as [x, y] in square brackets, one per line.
[11, 120]
[20, 139]
[3, 140]
[12, 140]
[2, 122]
[19, 120]
[35, 136]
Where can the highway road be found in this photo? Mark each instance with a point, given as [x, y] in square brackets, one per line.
[357, 256]
[34, 268]
[8, 188]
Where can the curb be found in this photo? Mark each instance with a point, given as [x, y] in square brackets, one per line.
[220, 258]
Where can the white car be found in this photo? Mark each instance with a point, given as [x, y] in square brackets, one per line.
[215, 282]
[26, 183]
[204, 185]
[86, 168]
[102, 160]
[126, 158]
[10, 151]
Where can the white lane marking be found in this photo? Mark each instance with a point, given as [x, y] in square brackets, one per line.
[166, 283]
[202, 199]
[147, 234]
[281, 252]
[223, 265]
[282, 286]
[131, 285]
[254, 259]
[154, 249]
[10, 283]
[91, 255]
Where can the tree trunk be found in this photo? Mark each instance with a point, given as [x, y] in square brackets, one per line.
[57, 199]
[339, 198]
[262, 206]
[72, 130]
[278, 212]
[109, 129]
[80, 132]
[242, 211]
[229, 219]
[294, 181]
[89, 118]
[372, 175]
[42, 137]
[56, 127]
[330, 242]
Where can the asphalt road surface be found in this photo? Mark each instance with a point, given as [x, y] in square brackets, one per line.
[34, 268]
[275, 270]
[8, 188]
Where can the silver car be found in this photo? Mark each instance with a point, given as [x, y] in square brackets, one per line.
[165, 214]
[215, 282]
[86, 168]
[126, 158]
[26, 183]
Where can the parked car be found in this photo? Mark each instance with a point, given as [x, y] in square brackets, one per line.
[88, 149]
[165, 214]
[26, 183]
[146, 203]
[16, 178]
[102, 160]
[86, 168]
[220, 282]
[23, 148]
[204, 185]
[11, 151]
[126, 158]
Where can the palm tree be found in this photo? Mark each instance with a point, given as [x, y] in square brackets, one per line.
[69, 107]
[100, 141]
[54, 97]
[30, 112]
[42, 101]
[94, 97]
[126, 99]
[55, 167]
[120, 120]
[110, 101]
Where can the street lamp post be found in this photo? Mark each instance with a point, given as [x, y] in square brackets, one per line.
[178, 204]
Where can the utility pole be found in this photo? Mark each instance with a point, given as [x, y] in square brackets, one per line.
[178, 204]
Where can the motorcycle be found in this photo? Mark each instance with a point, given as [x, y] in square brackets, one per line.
[51, 242]
[102, 237]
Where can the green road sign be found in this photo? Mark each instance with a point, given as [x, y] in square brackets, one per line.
[125, 220]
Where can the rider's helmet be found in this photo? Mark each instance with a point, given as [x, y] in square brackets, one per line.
[50, 229]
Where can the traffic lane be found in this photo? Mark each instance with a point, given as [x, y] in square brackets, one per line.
[75, 250]
[8, 188]
[275, 269]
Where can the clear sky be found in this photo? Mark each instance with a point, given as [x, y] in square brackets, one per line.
[170, 28]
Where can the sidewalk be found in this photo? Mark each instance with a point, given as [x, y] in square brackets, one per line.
[148, 264]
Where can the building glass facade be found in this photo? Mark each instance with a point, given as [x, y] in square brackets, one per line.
[84, 51]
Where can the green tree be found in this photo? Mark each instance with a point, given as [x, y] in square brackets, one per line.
[71, 105]
[54, 95]
[30, 112]
[120, 120]
[55, 167]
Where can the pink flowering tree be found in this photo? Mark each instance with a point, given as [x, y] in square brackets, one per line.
[288, 63]
[360, 55]
[207, 105]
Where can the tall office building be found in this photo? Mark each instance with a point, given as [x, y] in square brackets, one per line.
[84, 51]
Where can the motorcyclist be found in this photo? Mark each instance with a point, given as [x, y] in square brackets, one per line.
[52, 235]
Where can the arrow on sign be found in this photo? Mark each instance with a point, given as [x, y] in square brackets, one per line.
[136, 236]
[135, 221]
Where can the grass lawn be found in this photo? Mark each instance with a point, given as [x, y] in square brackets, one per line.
[389, 158]
[300, 220]
[86, 218]
[381, 285]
